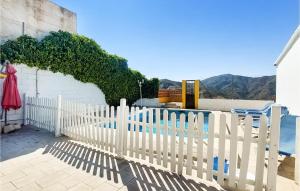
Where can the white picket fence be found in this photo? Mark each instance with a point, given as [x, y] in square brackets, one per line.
[41, 112]
[184, 147]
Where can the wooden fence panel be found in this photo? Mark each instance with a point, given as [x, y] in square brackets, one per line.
[132, 133]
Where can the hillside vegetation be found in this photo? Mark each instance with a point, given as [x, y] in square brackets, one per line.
[233, 87]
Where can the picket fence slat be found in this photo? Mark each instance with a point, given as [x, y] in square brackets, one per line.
[173, 142]
[137, 133]
[85, 123]
[93, 125]
[144, 133]
[181, 143]
[132, 115]
[64, 116]
[210, 147]
[273, 150]
[199, 134]
[73, 119]
[69, 108]
[233, 150]
[46, 115]
[221, 154]
[261, 148]
[190, 134]
[101, 126]
[70, 119]
[106, 127]
[158, 132]
[165, 139]
[151, 135]
[77, 121]
[245, 153]
[81, 125]
[125, 135]
[112, 128]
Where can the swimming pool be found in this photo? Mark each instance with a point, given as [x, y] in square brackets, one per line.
[162, 122]
[287, 128]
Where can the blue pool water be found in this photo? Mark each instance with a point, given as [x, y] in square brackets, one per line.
[177, 112]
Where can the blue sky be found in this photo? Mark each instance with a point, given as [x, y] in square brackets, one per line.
[190, 39]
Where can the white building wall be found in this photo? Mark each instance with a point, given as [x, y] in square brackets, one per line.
[288, 79]
[39, 17]
[51, 85]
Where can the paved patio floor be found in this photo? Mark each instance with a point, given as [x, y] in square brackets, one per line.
[33, 159]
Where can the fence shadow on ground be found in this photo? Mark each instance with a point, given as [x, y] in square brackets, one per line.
[134, 175]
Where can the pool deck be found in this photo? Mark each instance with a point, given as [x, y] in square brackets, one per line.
[33, 159]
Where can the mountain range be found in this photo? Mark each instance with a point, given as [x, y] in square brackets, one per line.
[233, 87]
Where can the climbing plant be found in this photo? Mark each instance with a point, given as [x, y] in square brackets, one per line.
[82, 58]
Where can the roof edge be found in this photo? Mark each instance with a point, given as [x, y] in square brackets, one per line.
[288, 46]
[56, 4]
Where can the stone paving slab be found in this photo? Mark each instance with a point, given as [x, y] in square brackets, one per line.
[33, 159]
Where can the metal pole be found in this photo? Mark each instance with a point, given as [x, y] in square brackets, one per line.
[36, 83]
[141, 95]
[5, 117]
[140, 85]
[23, 28]
[58, 117]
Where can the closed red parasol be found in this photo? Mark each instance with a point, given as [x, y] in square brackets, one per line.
[11, 97]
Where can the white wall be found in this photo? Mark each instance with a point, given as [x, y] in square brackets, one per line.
[148, 102]
[288, 79]
[228, 104]
[50, 85]
[39, 16]
[215, 104]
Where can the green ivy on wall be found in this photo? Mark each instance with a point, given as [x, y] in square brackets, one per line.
[84, 59]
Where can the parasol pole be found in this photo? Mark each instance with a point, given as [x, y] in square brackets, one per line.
[5, 117]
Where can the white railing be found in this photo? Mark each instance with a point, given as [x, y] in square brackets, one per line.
[183, 144]
[41, 112]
